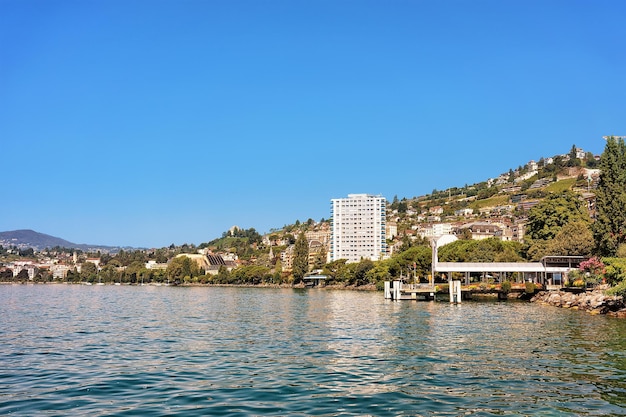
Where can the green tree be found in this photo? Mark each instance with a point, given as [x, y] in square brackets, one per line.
[547, 218]
[320, 259]
[536, 249]
[415, 260]
[360, 272]
[510, 252]
[574, 239]
[486, 250]
[332, 267]
[300, 259]
[88, 272]
[394, 203]
[182, 267]
[22, 275]
[609, 230]
[615, 272]
[72, 276]
[486, 193]
[136, 271]
[160, 256]
[108, 273]
[573, 157]
[346, 272]
[337, 270]
[223, 276]
[251, 274]
[379, 274]
[6, 275]
[466, 234]
[26, 253]
[590, 160]
[458, 251]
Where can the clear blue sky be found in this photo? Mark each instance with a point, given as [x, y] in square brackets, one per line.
[151, 122]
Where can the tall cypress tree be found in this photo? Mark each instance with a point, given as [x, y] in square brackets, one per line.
[609, 230]
[300, 258]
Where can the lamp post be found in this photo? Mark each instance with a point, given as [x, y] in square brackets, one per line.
[434, 260]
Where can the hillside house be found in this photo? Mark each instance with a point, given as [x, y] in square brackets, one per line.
[154, 265]
[481, 230]
[527, 205]
[511, 189]
[465, 212]
[525, 176]
[286, 258]
[435, 230]
[517, 231]
[95, 261]
[317, 248]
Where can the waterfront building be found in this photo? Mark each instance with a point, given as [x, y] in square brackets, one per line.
[358, 228]
[480, 230]
[59, 271]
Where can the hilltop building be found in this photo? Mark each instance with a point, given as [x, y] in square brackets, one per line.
[358, 228]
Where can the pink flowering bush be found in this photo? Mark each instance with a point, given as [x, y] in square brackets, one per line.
[592, 265]
[593, 269]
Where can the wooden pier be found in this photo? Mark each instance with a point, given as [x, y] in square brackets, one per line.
[398, 290]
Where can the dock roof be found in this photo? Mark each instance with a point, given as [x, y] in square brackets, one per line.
[497, 267]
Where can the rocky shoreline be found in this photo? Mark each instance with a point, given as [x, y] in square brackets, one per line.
[594, 302]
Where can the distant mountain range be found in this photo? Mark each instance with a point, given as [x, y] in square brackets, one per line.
[40, 241]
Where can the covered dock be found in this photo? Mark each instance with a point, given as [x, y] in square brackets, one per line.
[551, 271]
[315, 280]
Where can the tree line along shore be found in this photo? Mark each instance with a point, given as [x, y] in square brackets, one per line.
[561, 223]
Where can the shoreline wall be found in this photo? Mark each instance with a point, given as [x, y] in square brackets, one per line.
[594, 302]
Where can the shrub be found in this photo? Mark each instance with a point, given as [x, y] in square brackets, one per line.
[615, 271]
[530, 288]
[619, 289]
[593, 266]
[506, 287]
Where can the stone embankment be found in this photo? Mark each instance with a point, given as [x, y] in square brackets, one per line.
[595, 302]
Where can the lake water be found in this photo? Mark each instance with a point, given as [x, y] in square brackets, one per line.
[169, 351]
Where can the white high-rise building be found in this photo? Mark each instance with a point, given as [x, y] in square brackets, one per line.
[358, 228]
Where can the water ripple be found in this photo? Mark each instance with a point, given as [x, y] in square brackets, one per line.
[163, 351]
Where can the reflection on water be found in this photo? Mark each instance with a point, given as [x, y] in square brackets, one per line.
[115, 350]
